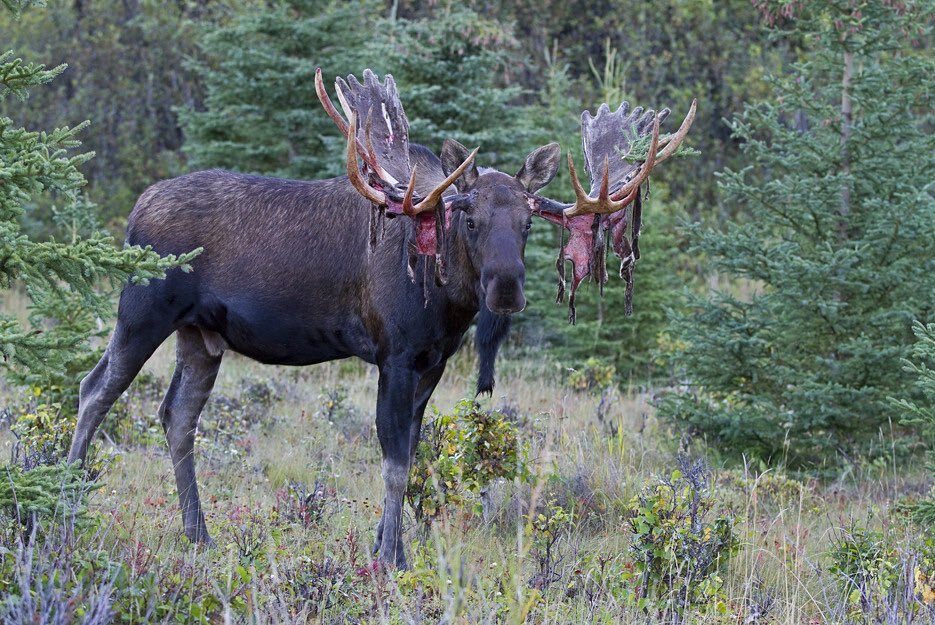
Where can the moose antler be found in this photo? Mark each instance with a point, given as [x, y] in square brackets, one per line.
[383, 146]
[386, 166]
[606, 140]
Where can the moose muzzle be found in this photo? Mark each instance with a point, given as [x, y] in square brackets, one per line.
[503, 291]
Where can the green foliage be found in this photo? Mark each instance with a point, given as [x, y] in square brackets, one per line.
[62, 278]
[680, 553]
[46, 491]
[921, 366]
[260, 110]
[38, 487]
[459, 455]
[919, 410]
[125, 74]
[795, 363]
[261, 113]
[878, 576]
[594, 374]
[454, 77]
[866, 567]
[16, 76]
[545, 528]
[42, 437]
[435, 478]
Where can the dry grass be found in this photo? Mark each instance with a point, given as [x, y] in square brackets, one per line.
[467, 571]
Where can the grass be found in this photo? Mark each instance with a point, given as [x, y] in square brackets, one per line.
[267, 429]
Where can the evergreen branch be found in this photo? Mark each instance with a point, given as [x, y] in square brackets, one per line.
[639, 148]
[16, 77]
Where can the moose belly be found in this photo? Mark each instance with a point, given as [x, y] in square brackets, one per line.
[282, 335]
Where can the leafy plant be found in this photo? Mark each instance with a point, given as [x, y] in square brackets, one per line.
[679, 553]
[37, 485]
[435, 478]
[544, 529]
[866, 567]
[882, 580]
[459, 455]
[593, 374]
[42, 436]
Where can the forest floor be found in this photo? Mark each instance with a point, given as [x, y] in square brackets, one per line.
[289, 471]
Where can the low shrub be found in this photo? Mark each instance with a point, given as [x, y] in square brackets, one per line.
[459, 455]
[881, 579]
[679, 550]
[545, 529]
[593, 374]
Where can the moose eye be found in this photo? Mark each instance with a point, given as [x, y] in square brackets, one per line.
[470, 224]
[529, 225]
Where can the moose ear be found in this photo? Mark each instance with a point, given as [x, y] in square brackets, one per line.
[453, 154]
[540, 167]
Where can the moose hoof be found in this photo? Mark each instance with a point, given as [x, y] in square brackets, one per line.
[200, 537]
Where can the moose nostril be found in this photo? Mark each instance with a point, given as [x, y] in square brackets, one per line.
[505, 296]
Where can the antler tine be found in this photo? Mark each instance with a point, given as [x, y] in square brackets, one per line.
[407, 199]
[603, 194]
[581, 196]
[603, 204]
[341, 97]
[431, 200]
[353, 172]
[327, 104]
[673, 142]
[584, 204]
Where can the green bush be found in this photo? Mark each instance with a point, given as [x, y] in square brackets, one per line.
[865, 566]
[37, 487]
[881, 579]
[545, 528]
[679, 553]
[594, 374]
[459, 455]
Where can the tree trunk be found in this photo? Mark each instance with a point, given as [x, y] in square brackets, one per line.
[846, 122]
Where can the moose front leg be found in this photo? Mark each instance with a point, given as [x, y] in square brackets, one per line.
[395, 399]
[424, 390]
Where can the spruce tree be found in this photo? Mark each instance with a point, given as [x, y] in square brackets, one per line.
[260, 111]
[793, 361]
[918, 409]
[69, 282]
[454, 74]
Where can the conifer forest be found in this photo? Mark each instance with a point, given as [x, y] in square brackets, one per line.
[280, 346]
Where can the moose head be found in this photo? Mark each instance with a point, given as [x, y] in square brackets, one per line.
[490, 213]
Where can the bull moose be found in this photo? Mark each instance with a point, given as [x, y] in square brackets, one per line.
[292, 274]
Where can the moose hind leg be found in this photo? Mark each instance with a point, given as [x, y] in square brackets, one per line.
[130, 347]
[195, 372]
